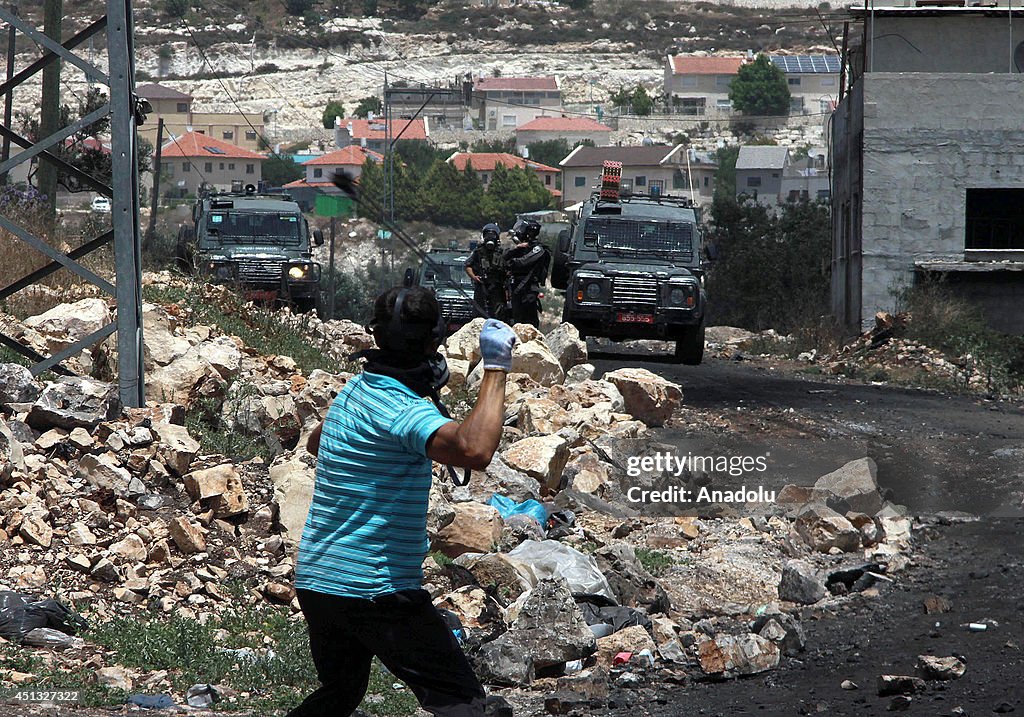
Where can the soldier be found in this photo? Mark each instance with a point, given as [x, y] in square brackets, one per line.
[486, 268]
[527, 264]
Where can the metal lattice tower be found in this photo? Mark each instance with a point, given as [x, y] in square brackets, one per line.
[124, 111]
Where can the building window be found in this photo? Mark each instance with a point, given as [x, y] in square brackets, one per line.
[793, 81]
[182, 107]
[657, 186]
[995, 219]
[222, 166]
[547, 180]
[828, 81]
[796, 105]
[250, 135]
[250, 169]
[694, 105]
[707, 181]
[579, 181]
[186, 166]
[508, 120]
[825, 106]
[753, 181]
[824, 195]
[688, 81]
[775, 175]
[228, 134]
[231, 166]
[723, 80]
[208, 167]
[318, 172]
[679, 180]
[723, 104]
[200, 131]
[641, 180]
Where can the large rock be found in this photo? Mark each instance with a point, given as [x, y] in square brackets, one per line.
[223, 354]
[476, 528]
[822, 529]
[549, 630]
[565, 344]
[131, 549]
[177, 448]
[183, 380]
[17, 384]
[219, 487]
[647, 396]
[293, 491]
[801, 583]
[542, 415]
[105, 471]
[541, 457]
[12, 456]
[535, 359]
[73, 401]
[853, 487]
[632, 584]
[188, 537]
[629, 639]
[730, 656]
[65, 324]
[588, 473]
[464, 344]
[160, 344]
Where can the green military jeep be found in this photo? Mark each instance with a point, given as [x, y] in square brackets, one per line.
[260, 243]
[445, 273]
[631, 269]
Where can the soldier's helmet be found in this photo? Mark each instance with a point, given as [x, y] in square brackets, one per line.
[490, 234]
[527, 230]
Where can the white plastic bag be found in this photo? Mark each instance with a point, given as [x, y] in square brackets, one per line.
[539, 559]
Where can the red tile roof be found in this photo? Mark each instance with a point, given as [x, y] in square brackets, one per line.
[353, 155]
[515, 84]
[300, 183]
[160, 92]
[688, 65]
[563, 124]
[374, 129]
[194, 144]
[487, 161]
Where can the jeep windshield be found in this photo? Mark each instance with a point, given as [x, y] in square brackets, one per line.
[253, 228]
[446, 276]
[638, 237]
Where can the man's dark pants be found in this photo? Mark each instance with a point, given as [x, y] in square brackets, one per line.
[406, 633]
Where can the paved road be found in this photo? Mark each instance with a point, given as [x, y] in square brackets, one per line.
[934, 451]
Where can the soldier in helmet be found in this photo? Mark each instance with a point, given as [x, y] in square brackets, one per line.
[527, 264]
[486, 267]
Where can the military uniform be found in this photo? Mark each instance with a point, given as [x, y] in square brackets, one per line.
[527, 268]
[489, 293]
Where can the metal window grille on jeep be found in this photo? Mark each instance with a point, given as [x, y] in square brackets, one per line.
[643, 236]
[634, 291]
[259, 270]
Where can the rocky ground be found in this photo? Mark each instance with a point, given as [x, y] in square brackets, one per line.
[601, 604]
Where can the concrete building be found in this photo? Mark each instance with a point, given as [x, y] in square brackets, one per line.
[572, 129]
[373, 134]
[928, 149]
[813, 81]
[645, 170]
[484, 164]
[504, 103]
[759, 172]
[179, 116]
[807, 178]
[699, 86]
[195, 159]
[446, 107]
[319, 170]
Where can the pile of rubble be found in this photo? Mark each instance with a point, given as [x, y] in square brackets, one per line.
[881, 350]
[543, 574]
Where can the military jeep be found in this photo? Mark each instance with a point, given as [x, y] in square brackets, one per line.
[630, 267]
[260, 244]
[445, 273]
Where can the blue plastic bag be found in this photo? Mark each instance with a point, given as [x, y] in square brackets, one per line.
[507, 507]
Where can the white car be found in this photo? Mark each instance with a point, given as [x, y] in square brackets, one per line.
[101, 204]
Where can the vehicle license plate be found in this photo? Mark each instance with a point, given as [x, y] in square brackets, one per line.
[628, 317]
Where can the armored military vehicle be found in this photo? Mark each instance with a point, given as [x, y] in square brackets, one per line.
[260, 243]
[445, 273]
[630, 266]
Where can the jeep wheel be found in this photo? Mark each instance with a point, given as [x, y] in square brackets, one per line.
[690, 345]
[305, 305]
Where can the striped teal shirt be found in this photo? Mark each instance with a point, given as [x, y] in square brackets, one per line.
[366, 532]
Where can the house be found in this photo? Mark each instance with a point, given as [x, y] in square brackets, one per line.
[927, 150]
[178, 113]
[193, 160]
[699, 86]
[813, 81]
[807, 178]
[316, 185]
[443, 106]
[646, 169]
[504, 103]
[573, 130]
[484, 163]
[374, 134]
[759, 172]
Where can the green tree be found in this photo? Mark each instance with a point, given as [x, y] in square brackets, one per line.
[514, 191]
[333, 109]
[549, 151]
[725, 178]
[366, 106]
[419, 156]
[298, 7]
[760, 88]
[279, 170]
[507, 145]
[636, 100]
[371, 187]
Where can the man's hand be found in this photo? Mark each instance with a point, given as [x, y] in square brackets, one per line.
[496, 341]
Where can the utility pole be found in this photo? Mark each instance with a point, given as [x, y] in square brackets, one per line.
[147, 241]
[12, 34]
[49, 122]
[333, 283]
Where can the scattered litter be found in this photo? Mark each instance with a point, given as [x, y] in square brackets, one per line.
[622, 658]
[202, 695]
[151, 702]
[508, 507]
[20, 615]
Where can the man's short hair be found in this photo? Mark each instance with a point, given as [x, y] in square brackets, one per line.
[420, 314]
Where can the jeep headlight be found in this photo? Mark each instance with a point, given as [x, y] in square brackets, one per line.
[593, 291]
[298, 271]
[677, 296]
